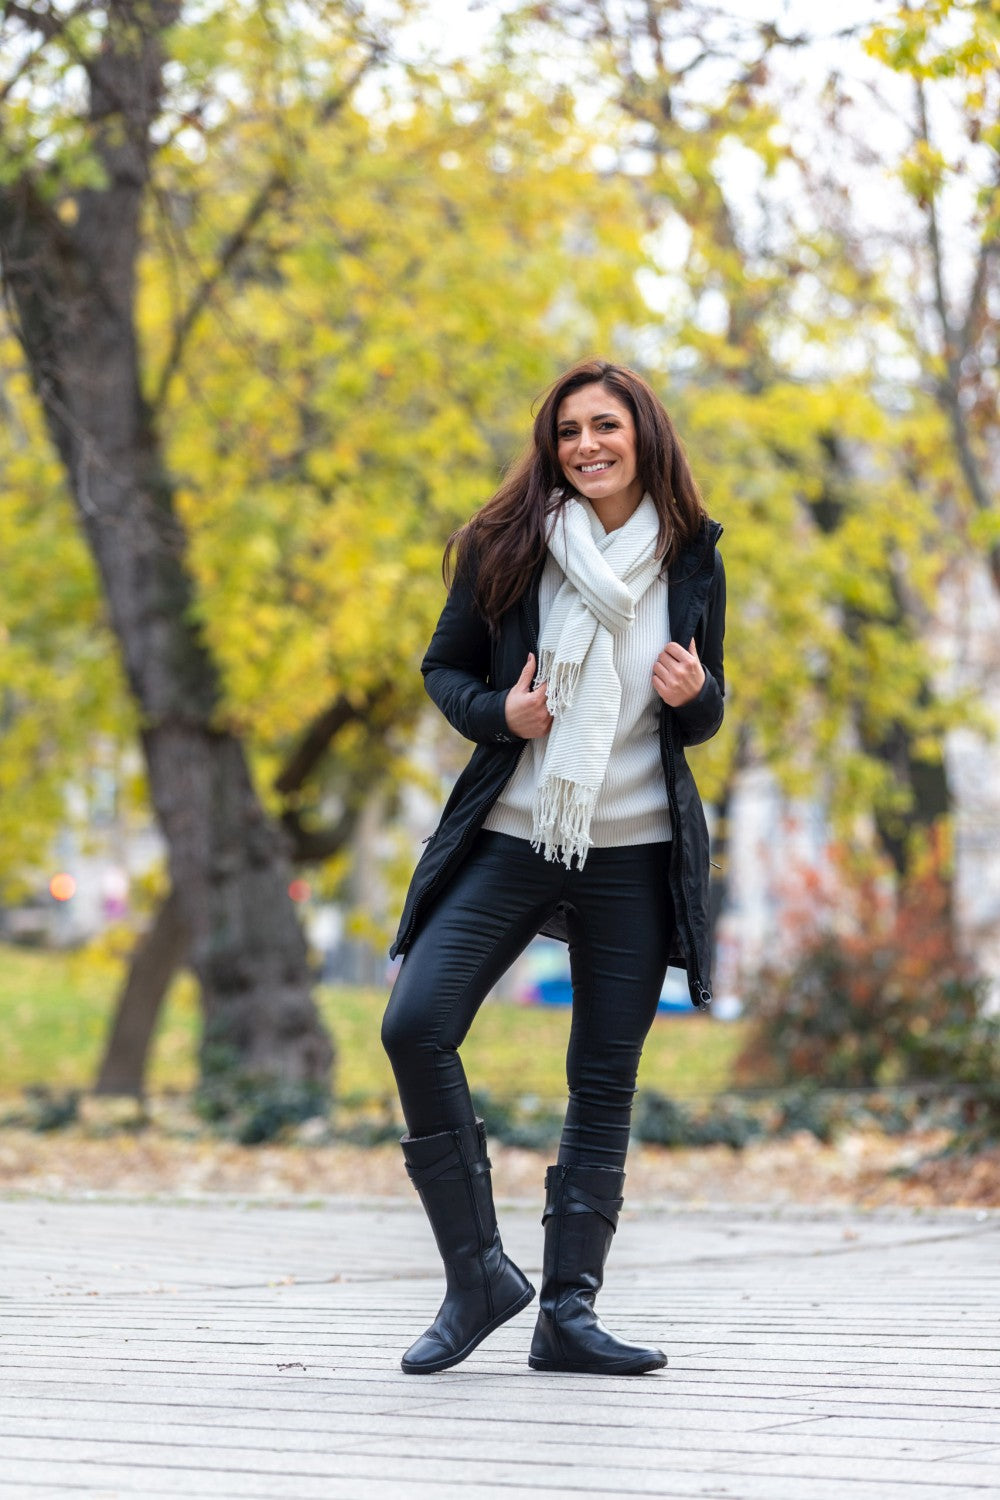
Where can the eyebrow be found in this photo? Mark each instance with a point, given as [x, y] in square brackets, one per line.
[601, 416]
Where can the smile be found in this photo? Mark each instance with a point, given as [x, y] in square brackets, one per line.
[596, 468]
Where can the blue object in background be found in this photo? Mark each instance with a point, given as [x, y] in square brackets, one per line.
[544, 980]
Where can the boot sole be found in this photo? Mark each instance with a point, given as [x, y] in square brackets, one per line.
[604, 1367]
[456, 1359]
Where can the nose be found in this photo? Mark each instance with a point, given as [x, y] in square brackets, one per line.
[588, 441]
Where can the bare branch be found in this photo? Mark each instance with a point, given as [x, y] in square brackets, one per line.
[46, 21]
[310, 846]
[949, 387]
[934, 238]
[51, 26]
[988, 251]
[316, 740]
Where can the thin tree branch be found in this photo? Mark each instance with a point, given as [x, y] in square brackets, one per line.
[977, 292]
[311, 846]
[268, 194]
[50, 29]
[315, 741]
[949, 387]
[934, 240]
[47, 21]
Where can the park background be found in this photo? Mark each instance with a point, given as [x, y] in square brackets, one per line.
[282, 282]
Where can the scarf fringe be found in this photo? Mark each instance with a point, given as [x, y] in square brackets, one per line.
[561, 679]
[562, 814]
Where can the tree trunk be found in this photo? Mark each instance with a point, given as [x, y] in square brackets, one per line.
[164, 951]
[156, 960]
[71, 279]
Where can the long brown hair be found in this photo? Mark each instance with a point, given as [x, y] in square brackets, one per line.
[507, 537]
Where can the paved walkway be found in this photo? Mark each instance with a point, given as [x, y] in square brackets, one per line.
[175, 1349]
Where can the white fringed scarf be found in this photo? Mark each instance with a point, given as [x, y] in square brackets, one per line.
[606, 574]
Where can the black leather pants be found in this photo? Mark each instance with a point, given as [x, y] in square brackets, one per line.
[619, 914]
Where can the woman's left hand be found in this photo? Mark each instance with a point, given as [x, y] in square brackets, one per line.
[678, 674]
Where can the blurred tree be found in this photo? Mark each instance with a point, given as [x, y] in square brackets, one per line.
[82, 95]
[948, 52]
[831, 539]
[337, 315]
[56, 670]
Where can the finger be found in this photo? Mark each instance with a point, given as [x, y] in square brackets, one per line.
[694, 650]
[527, 673]
[675, 651]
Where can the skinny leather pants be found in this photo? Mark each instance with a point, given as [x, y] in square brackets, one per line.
[620, 920]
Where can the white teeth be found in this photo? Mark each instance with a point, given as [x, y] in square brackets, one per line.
[593, 468]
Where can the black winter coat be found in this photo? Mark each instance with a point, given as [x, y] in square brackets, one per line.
[468, 672]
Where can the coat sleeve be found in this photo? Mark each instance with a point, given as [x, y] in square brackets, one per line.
[702, 716]
[456, 669]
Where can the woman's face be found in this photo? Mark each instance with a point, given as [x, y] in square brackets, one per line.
[595, 435]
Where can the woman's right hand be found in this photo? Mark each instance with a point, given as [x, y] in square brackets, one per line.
[526, 710]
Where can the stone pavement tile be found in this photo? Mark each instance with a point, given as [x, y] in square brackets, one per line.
[632, 1417]
[918, 1384]
[962, 1362]
[984, 1431]
[170, 1392]
[982, 1453]
[355, 1477]
[899, 1471]
[740, 1454]
[825, 1355]
[288, 1431]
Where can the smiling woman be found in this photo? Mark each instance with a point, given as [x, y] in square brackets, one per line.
[581, 650]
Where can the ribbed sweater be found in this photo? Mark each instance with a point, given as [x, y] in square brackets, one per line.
[632, 803]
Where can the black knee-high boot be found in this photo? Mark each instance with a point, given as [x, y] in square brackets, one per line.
[451, 1173]
[582, 1205]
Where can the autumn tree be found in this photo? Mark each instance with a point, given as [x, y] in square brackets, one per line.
[829, 540]
[946, 55]
[336, 318]
[75, 175]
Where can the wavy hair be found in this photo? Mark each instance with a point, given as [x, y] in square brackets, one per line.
[507, 538]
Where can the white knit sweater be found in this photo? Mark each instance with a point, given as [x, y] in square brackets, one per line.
[632, 804]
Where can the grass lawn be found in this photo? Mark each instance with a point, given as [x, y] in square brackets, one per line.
[55, 1009]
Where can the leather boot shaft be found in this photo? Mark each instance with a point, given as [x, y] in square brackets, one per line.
[582, 1205]
[451, 1173]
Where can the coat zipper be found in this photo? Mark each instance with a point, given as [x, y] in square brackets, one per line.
[704, 993]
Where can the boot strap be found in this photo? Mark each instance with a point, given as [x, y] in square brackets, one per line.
[420, 1176]
[608, 1208]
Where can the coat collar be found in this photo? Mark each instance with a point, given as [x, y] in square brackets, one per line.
[689, 578]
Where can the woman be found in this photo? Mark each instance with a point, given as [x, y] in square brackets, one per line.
[581, 650]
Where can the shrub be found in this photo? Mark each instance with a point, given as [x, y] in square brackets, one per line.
[528, 1123]
[660, 1121]
[873, 991]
